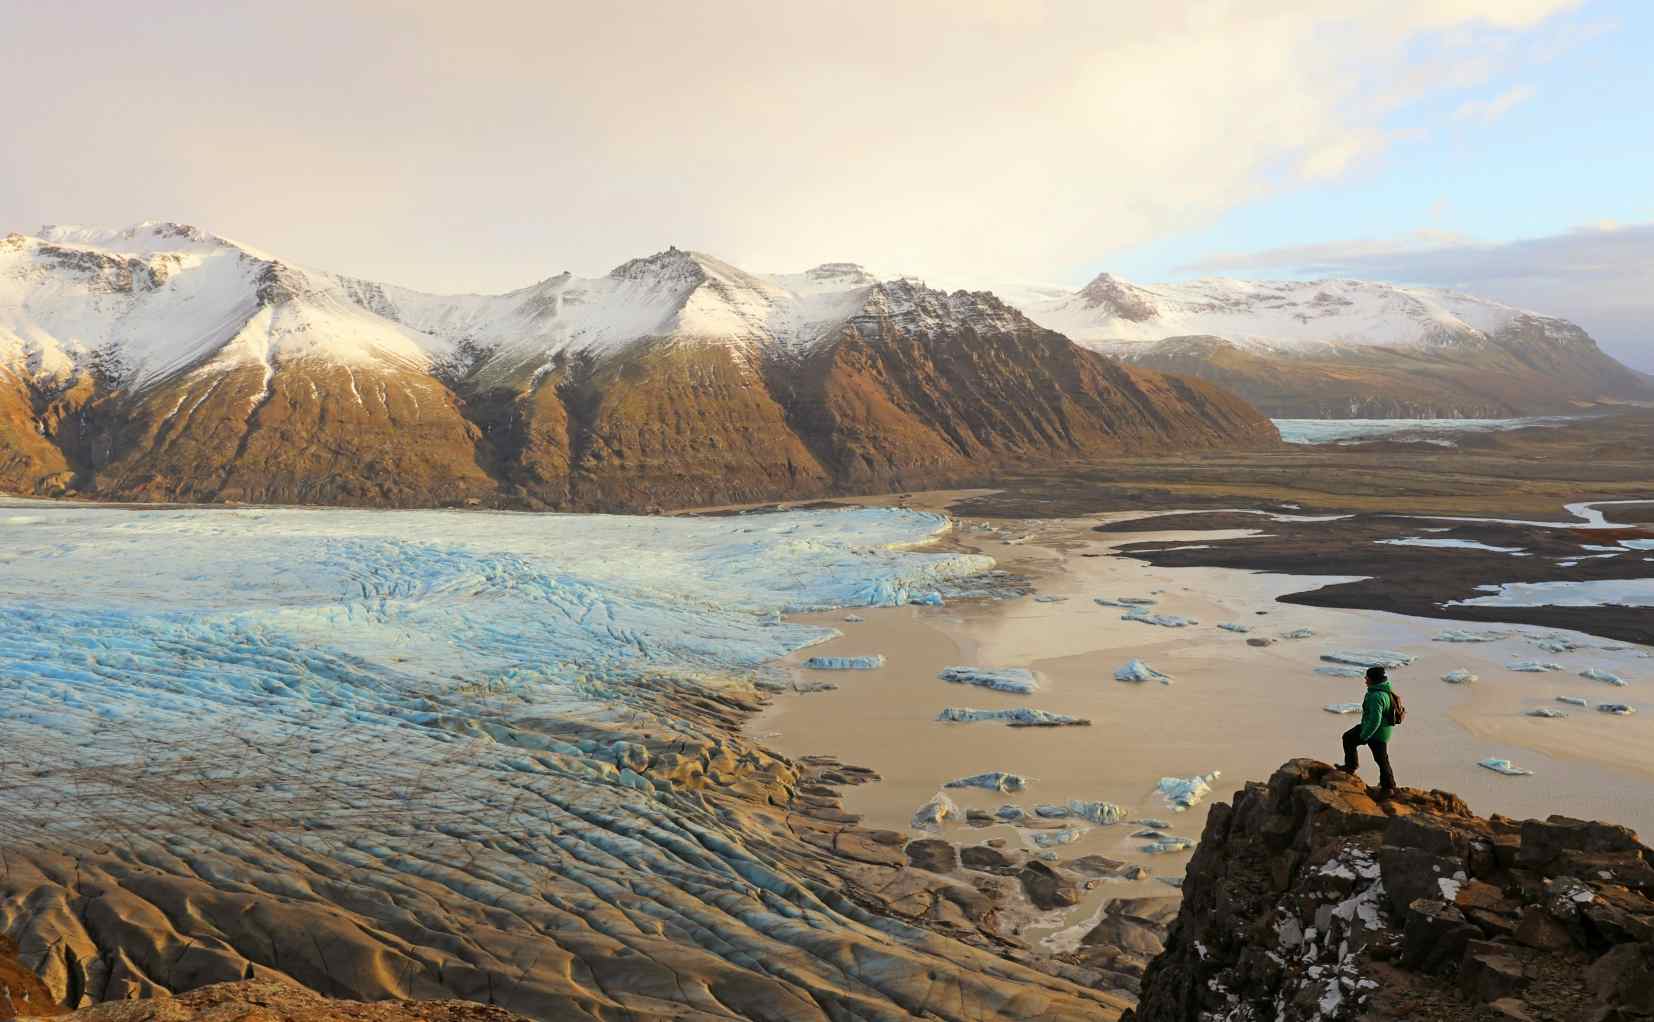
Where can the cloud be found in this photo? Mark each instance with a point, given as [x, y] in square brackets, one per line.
[487, 144]
[1490, 110]
[1600, 276]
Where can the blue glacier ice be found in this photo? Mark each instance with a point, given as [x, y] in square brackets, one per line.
[845, 663]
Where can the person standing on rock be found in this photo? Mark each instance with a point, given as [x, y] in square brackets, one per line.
[1378, 720]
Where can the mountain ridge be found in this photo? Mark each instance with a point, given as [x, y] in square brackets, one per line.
[1339, 348]
[173, 364]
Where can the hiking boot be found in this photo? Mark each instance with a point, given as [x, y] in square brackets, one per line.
[1387, 792]
[1346, 768]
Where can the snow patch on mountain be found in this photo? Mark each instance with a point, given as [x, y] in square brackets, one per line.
[1275, 314]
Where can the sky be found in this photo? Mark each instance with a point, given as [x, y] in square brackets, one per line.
[1498, 146]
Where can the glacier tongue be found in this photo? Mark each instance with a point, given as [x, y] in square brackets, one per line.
[131, 634]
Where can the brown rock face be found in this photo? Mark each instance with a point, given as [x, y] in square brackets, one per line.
[1308, 899]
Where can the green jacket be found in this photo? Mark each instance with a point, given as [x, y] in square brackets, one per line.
[1374, 706]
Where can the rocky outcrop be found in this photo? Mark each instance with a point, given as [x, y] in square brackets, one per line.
[1310, 899]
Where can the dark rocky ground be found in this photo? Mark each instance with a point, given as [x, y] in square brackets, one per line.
[1414, 579]
[1524, 474]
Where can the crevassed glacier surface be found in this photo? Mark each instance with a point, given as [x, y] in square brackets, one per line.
[134, 633]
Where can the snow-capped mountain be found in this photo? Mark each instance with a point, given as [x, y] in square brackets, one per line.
[163, 362]
[1338, 348]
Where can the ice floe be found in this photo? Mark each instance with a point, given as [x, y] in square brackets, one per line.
[1459, 677]
[1016, 680]
[1368, 658]
[1618, 709]
[1573, 700]
[1342, 707]
[1124, 601]
[845, 663]
[992, 780]
[1299, 633]
[932, 814]
[1597, 674]
[1341, 672]
[1183, 793]
[1449, 544]
[854, 619]
[1142, 616]
[1462, 635]
[1532, 666]
[1504, 766]
[1018, 717]
[1055, 838]
[1230, 626]
[1050, 599]
[1623, 592]
[1544, 711]
[1166, 846]
[1139, 672]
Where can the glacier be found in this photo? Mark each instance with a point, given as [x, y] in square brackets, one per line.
[379, 643]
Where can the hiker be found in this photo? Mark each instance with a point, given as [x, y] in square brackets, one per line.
[1379, 716]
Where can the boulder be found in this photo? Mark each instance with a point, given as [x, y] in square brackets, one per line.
[1435, 936]
[933, 854]
[990, 860]
[1488, 972]
[1624, 978]
[1544, 840]
[1048, 887]
[1539, 929]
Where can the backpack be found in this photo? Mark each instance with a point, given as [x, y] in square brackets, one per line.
[1396, 713]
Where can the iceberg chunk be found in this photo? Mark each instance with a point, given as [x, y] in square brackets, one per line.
[930, 599]
[1168, 845]
[1597, 674]
[1017, 680]
[1532, 666]
[1544, 711]
[930, 815]
[1055, 838]
[1018, 717]
[1125, 601]
[1232, 626]
[1618, 709]
[1139, 672]
[1504, 766]
[1462, 635]
[1142, 616]
[993, 780]
[1011, 814]
[1368, 658]
[1183, 793]
[1342, 707]
[1341, 672]
[1299, 633]
[845, 663]
[1459, 677]
[1573, 700]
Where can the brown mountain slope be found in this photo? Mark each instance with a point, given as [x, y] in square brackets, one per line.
[1519, 373]
[888, 407]
[29, 461]
[312, 433]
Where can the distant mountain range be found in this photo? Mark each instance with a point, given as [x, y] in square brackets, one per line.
[160, 362]
[1344, 348]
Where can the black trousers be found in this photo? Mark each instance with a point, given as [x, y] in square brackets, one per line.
[1381, 755]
